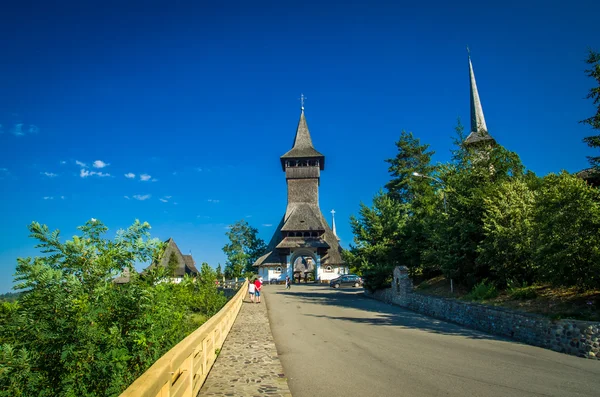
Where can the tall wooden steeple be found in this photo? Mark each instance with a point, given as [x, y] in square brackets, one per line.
[479, 133]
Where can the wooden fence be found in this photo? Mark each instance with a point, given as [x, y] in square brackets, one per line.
[183, 369]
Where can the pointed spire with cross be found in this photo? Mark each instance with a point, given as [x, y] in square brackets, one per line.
[333, 224]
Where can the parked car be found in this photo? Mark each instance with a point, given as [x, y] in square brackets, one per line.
[345, 280]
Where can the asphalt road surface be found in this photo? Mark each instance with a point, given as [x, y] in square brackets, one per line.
[339, 343]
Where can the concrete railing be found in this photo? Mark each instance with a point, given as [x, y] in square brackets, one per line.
[184, 368]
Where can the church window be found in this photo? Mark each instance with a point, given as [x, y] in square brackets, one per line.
[278, 269]
[328, 269]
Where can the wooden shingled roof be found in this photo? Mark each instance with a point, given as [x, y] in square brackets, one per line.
[303, 146]
[332, 257]
[185, 263]
[303, 217]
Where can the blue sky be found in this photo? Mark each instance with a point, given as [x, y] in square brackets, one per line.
[199, 100]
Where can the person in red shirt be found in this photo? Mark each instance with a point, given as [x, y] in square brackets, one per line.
[258, 286]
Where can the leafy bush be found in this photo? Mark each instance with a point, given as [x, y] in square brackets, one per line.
[74, 332]
[521, 292]
[482, 291]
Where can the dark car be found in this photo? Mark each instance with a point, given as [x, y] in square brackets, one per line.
[345, 280]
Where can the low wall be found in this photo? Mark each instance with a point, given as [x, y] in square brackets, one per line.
[578, 338]
[184, 368]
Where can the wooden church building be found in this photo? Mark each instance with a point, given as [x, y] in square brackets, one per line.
[303, 245]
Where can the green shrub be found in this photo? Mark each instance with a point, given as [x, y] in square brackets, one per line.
[482, 291]
[521, 292]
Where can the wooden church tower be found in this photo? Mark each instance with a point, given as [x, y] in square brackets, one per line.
[303, 246]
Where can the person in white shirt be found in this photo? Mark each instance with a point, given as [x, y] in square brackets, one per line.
[251, 289]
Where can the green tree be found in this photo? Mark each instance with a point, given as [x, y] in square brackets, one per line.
[243, 249]
[566, 237]
[411, 157]
[219, 272]
[172, 264]
[508, 225]
[594, 121]
[417, 194]
[208, 299]
[376, 231]
[471, 178]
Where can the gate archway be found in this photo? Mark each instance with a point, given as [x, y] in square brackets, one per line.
[304, 264]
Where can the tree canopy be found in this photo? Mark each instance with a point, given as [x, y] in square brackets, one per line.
[243, 249]
[594, 94]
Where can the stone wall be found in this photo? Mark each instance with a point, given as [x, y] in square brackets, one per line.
[578, 338]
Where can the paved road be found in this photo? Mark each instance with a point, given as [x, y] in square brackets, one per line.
[338, 343]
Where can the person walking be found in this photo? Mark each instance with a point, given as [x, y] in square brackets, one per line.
[257, 287]
[288, 282]
[251, 290]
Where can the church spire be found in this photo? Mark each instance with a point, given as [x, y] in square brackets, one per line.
[479, 131]
[333, 224]
[303, 148]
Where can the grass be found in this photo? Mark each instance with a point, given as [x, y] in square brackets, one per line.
[553, 302]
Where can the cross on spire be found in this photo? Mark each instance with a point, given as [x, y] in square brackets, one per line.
[302, 99]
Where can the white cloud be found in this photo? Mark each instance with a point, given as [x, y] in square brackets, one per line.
[145, 177]
[142, 197]
[130, 175]
[198, 169]
[164, 201]
[267, 224]
[168, 197]
[85, 173]
[175, 173]
[175, 203]
[17, 130]
[48, 198]
[127, 197]
[63, 162]
[49, 174]
[93, 220]
[99, 164]
[154, 180]
[21, 129]
[80, 163]
[62, 197]
[212, 201]
[248, 216]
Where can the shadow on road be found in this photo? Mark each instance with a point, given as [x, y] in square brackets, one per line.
[376, 312]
